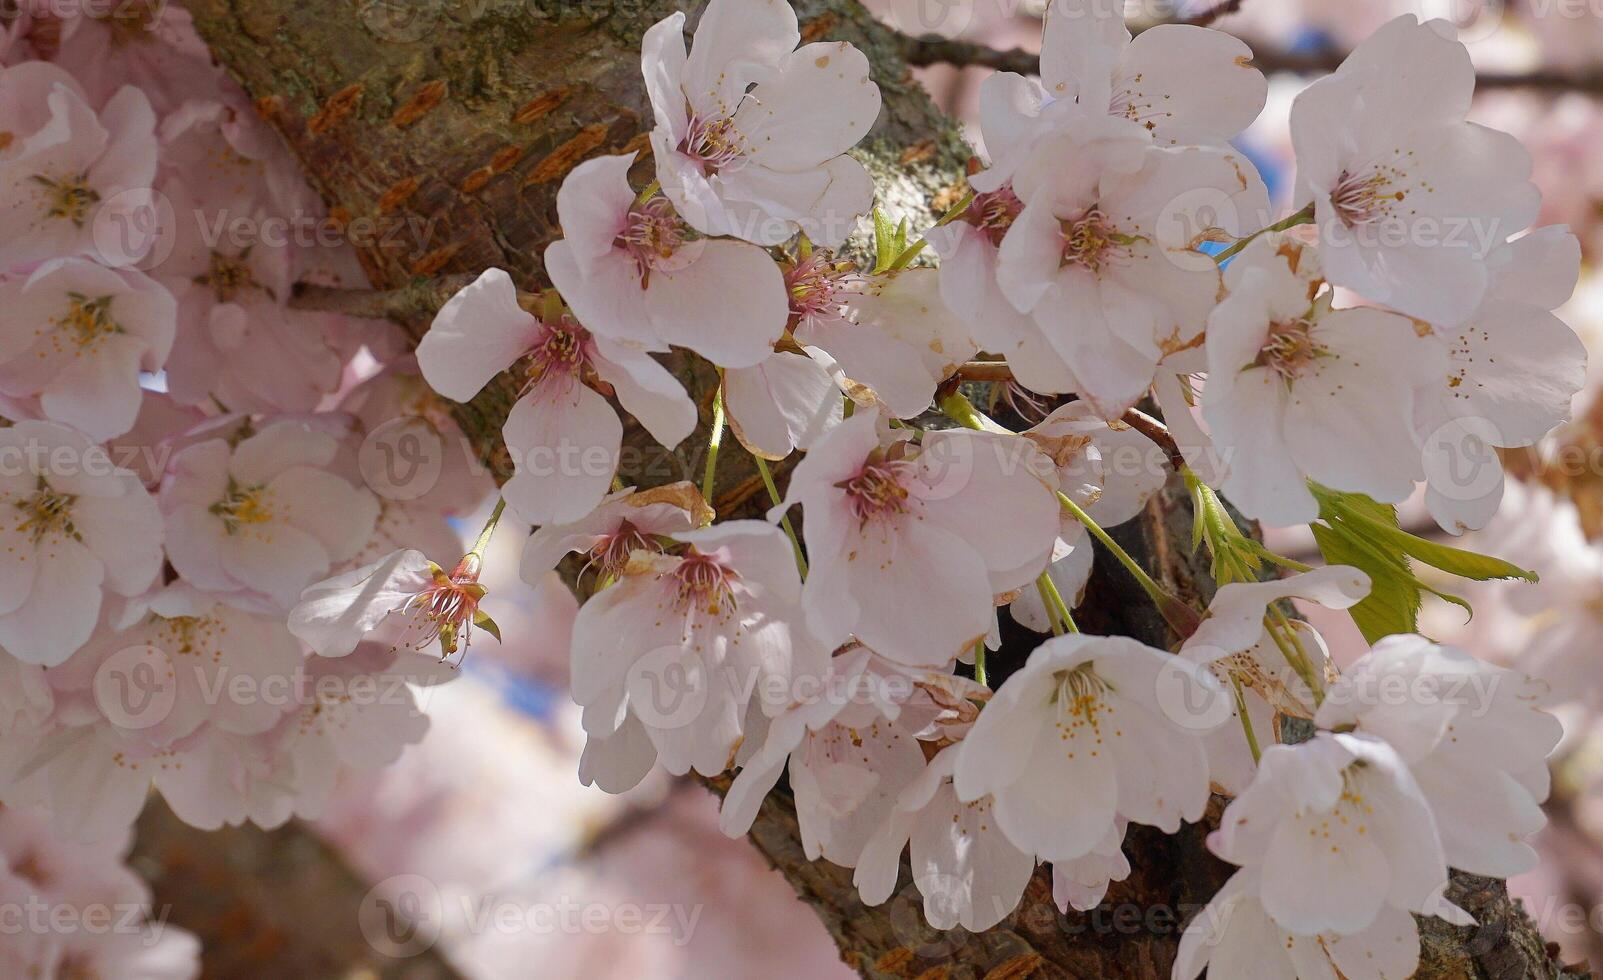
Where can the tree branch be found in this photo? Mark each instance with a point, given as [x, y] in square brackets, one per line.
[941, 51]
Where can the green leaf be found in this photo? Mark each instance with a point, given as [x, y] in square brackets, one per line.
[1454, 561]
[1395, 595]
[885, 250]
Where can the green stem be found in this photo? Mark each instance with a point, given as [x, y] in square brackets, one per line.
[1058, 629]
[489, 530]
[1246, 720]
[979, 663]
[713, 442]
[1285, 637]
[784, 521]
[1180, 617]
[1303, 217]
[1056, 608]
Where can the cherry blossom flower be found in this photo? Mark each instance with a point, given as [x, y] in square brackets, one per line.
[415, 603]
[1297, 391]
[1342, 810]
[783, 404]
[1184, 84]
[563, 436]
[1474, 735]
[852, 745]
[72, 178]
[1513, 370]
[752, 132]
[1080, 737]
[1110, 470]
[1233, 937]
[890, 333]
[623, 523]
[908, 546]
[688, 642]
[67, 882]
[1104, 258]
[634, 273]
[238, 343]
[208, 664]
[151, 45]
[257, 517]
[1408, 196]
[77, 528]
[969, 871]
[75, 339]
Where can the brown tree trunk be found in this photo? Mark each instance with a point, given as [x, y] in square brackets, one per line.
[438, 132]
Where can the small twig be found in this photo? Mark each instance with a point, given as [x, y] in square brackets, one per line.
[405, 305]
[1212, 14]
[940, 51]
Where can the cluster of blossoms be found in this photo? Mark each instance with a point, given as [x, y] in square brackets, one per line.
[184, 455]
[1114, 249]
[73, 910]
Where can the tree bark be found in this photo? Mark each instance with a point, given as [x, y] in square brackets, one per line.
[449, 126]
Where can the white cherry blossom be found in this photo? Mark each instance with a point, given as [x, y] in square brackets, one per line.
[752, 132]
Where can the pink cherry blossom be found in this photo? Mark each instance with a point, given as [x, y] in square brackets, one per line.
[1345, 810]
[623, 523]
[1104, 257]
[890, 333]
[633, 272]
[1082, 884]
[969, 871]
[1298, 391]
[77, 528]
[404, 597]
[1513, 371]
[73, 178]
[258, 516]
[752, 132]
[909, 544]
[1474, 736]
[1080, 737]
[563, 435]
[688, 643]
[783, 404]
[1408, 196]
[1234, 937]
[75, 339]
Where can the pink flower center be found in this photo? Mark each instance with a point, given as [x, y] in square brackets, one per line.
[815, 284]
[879, 490]
[611, 554]
[653, 233]
[445, 610]
[994, 212]
[47, 512]
[561, 351]
[1363, 198]
[1291, 349]
[704, 583]
[69, 198]
[714, 143]
[1078, 696]
[1092, 242]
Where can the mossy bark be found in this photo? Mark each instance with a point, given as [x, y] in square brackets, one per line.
[448, 126]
